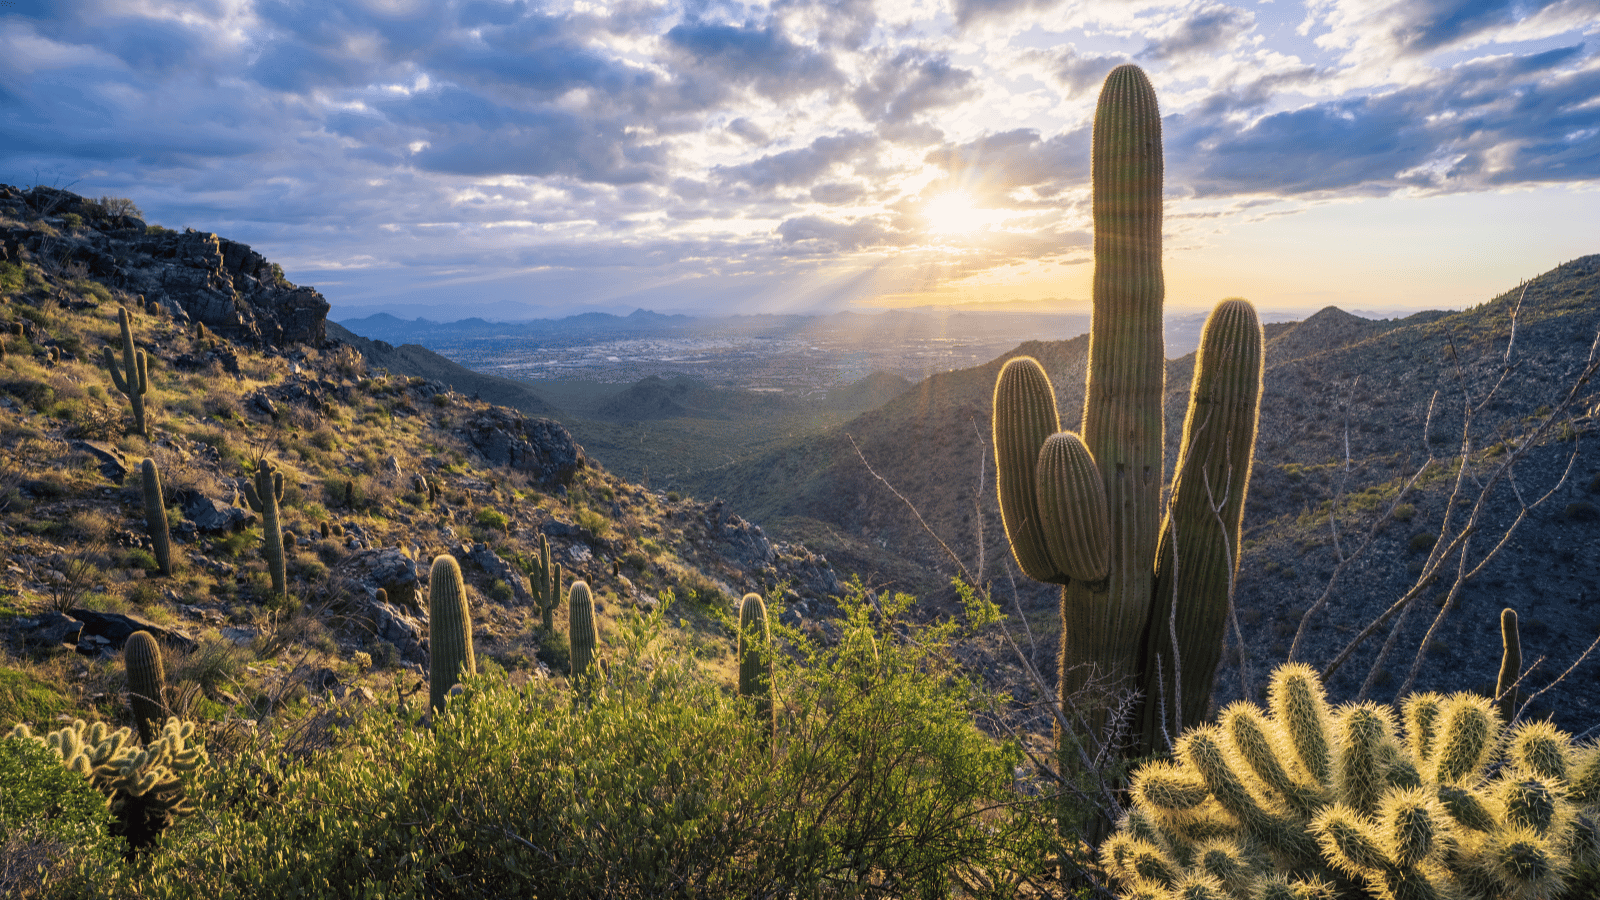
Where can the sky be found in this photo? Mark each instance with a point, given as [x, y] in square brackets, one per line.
[459, 158]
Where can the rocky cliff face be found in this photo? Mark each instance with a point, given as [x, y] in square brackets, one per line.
[195, 276]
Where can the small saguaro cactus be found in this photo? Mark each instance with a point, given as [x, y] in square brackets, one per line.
[1505, 689]
[155, 515]
[545, 585]
[131, 376]
[755, 662]
[263, 496]
[581, 634]
[147, 680]
[449, 629]
[1308, 801]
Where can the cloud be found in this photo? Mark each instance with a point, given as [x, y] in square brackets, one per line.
[1490, 122]
[762, 58]
[1017, 160]
[910, 84]
[1209, 28]
[1400, 28]
[801, 166]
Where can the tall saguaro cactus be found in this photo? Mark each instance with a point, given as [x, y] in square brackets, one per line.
[449, 629]
[545, 583]
[147, 680]
[263, 496]
[131, 376]
[1143, 601]
[155, 515]
[755, 662]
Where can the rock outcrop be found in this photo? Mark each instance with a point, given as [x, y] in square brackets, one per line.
[539, 446]
[195, 276]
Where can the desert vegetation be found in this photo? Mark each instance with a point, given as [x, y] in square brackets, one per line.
[282, 622]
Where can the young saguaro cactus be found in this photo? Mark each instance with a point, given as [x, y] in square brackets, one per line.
[545, 584]
[131, 376]
[1305, 801]
[155, 515]
[147, 681]
[581, 634]
[449, 629]
[1085, 512]
[755, 662]
[1505, 689]
[264, 496]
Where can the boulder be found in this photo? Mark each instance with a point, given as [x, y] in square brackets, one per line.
[50, 630]
[531, 444]
[484, 557]
[113, 465]
[400, 619]
[116, 628]
[213, 516]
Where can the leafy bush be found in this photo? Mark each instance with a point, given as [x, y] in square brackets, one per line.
[36, 789]
[12, 278]
[493, 518]
[659, 785]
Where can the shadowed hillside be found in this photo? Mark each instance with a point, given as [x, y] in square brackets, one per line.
[1331, 379]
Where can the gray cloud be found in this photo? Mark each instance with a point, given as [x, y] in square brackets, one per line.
[1011, 160]
[762, 58]
[1512, 121]
[1208, 29]
[912, 83]
[801, 166]
[1420, 26]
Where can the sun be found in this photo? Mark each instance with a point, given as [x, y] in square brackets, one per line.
[958, 212]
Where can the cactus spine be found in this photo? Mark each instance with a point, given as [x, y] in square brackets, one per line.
[755, 663]
[1308, 802]
[155, 515]
[545, 584]
[132, 376]
[1505, 689]
[581, 634]
[1143, 601]
[449, 629]
[263, 497]
[146, 680]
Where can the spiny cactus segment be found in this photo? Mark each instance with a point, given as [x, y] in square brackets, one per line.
[131, 376]
[449, 629]
[147, 681]
[581, 634]
[755, 662]
[264, 495]
[1304, 801]
[155, 515]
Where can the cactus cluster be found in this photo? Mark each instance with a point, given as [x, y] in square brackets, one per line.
[144, 787]
[1143, 600]
[449, 629]
[755, 662]
[545, 585]
[264, 495]
[1310, 801]
[155, 515]
[131, 377]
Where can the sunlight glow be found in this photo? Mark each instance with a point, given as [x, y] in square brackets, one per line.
[957, 212]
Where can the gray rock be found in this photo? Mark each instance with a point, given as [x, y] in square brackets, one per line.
[539, 446]
[116, 628]
[50, 630]
[113, 465]
[213, 516]
[484, 557]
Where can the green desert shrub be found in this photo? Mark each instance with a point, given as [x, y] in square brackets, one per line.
[661, 784]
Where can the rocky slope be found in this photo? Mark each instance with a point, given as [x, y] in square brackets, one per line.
[382, 472]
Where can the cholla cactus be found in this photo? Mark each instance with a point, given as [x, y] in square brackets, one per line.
[1307, 801]
[144, 787]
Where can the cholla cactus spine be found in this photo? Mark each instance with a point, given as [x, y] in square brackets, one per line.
[449, 629]
[131, 378]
